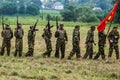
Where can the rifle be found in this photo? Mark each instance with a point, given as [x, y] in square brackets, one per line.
[48, 25]
[34, 27]
[17, 23]
[57, 23]
[3, 22]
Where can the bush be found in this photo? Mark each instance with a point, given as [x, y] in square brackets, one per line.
[32, 9]
[8, 8]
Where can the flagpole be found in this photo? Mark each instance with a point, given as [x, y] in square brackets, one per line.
[109, 28]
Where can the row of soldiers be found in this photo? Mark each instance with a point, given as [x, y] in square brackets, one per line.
[61, 41]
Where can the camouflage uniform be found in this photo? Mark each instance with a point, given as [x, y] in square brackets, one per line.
[75, 43]
[47, 37]
[61, 36]
[113, 38]
[101, 44]
[31, 40]
[7, 35]
[89, 43]
[19, 41]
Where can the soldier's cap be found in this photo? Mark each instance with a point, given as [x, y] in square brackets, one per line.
[92, 27]
[31, 26]
[61, 25]
[7, 25]
[19, 24]
[115, 27]
[77, 26]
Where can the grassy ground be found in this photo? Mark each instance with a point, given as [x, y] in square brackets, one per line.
[37, 68]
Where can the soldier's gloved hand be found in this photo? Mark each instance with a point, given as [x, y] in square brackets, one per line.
[3, 31]
[116, 36]
[111, 41]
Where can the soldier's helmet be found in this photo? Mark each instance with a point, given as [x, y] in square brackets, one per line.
[19, 25]
[7, 25]
[115, 27]
[77, 26]
[92, 27]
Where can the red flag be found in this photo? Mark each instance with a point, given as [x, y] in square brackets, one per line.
[108, 18]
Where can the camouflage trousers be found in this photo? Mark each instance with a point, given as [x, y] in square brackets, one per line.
[48, 48]
[116, 47]
[6, 44]
[30, 49]
[100, 52]
[89, 50]
[19, 47]
[76, 49]
[60, 45]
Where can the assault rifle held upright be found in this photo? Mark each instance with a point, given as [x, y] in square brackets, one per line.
[3, 23]
[34, 27]
[57, 26]
[48, 25]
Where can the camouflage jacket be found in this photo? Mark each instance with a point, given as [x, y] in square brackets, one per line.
[102, 38]
[46, 34]
[114, 36]
[61, 34]
[7, 34]
[90, 37]
[19, 33]
[76, 36]
[31, 36]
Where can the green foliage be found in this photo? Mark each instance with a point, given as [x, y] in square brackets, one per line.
[70, 13]
[22, 9]
[32, 9]
[8, 8]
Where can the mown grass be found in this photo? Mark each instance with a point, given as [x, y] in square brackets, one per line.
[38, 68]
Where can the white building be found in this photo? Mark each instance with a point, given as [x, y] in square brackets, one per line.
[58, 6]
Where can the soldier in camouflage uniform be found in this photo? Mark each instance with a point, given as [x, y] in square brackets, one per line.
[62, 38]
[89, 43]
[19, 40]
[113, 38]
[75, 42]
[31, 40]
[101, 44]
[47, 37]
[7, 35]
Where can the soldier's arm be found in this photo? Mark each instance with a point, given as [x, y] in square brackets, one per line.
[23, 32]
[66, 37]
[11, 34]
[56, 34]
[2, 33]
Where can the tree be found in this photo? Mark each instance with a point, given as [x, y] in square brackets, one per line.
[22, 9]
[37, 2]
[32, 9]
[8, 8]
[117, 16]
[70, 13]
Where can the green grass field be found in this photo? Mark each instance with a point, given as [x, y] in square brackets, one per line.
[38, 68]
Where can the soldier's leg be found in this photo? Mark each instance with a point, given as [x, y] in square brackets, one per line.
[98, 54]
[20, 53]
[110, 50]
[78, 51]
[88, 48]
[57, 50]
[91, 51]
[15, 54]
[102, 52]
[8, 48]
[62, 50]
[49, 48]
[71, 54]
[116, 51]
[86, 53]
[3, 48]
